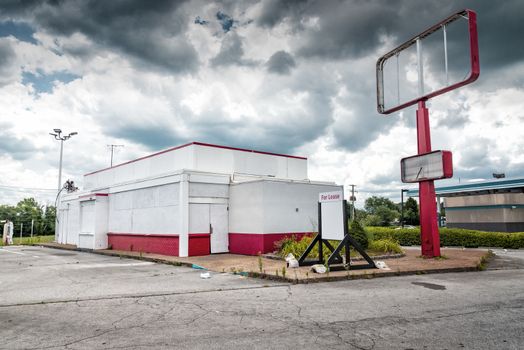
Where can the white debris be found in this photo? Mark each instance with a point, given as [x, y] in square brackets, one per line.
[291, 261]
[382, 265]
[205, 275]
[319, 268]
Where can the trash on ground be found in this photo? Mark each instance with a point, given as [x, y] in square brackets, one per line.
[205, 275]
[319, 268]
[291, 261]
[382, 265]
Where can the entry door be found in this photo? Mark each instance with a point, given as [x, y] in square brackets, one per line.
[218, 217]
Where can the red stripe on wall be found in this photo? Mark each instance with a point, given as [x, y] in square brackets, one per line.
[165, 244]
[257, 243]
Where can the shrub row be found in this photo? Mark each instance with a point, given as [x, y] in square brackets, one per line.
[451, 237]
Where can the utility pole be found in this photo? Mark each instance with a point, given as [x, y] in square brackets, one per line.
[402, 207]
[352, 199]
[112, 150]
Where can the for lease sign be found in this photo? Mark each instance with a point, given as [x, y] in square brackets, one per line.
[330, 196]
[332, 215]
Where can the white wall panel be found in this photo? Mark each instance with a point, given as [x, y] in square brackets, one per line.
[208, 190]
[168, 194]
[121, 200]
[297, 169]
[145, 198]
[121, 221]
[198, 218]
[245, 208]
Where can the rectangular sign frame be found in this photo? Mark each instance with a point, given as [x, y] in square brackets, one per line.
[474, 62]
[444, 172]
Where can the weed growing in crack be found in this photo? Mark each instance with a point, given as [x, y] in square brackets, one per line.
[260, 263]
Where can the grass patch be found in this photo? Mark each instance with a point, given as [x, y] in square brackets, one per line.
[484, 260]
[32, 240]
[297, 246]
[385, 245]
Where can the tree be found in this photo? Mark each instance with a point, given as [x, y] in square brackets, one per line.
[411, 213]
[357, 232]
[28, 211]
[381, 211]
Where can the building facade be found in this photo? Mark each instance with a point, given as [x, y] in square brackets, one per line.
[194, 199]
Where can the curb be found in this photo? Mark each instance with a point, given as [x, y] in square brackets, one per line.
[259, 275]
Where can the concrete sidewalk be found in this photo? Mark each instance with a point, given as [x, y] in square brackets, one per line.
[454, 260]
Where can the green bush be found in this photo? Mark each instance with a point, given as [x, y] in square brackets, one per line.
[385, 245]
[451, 237]
[358, 233]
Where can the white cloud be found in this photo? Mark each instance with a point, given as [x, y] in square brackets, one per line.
[154, 96]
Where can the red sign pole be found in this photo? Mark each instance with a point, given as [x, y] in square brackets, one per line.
[429, 235]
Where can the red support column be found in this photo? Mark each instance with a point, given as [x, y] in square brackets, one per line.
[429, 235]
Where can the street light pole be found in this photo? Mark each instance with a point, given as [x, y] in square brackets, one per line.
[60, 164]
[59, 137]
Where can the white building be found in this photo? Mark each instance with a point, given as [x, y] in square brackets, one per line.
[193, 199]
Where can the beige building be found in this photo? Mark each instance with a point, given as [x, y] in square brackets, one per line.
[495, 205]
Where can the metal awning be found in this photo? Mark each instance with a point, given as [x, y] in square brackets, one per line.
[475, 188]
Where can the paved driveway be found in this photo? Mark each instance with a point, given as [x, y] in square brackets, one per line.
[51, 299]
[35, 275]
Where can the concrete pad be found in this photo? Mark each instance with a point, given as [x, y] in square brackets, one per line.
[453, 260]
[35, 275]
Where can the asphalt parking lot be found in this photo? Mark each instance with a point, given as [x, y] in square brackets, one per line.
[53, 299]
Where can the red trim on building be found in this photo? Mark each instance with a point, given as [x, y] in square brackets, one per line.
[199, 244]
[95, 194]
[257, 243]
[197, 144]
[165, 244]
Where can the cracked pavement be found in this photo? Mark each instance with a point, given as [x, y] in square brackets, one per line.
[50, 299]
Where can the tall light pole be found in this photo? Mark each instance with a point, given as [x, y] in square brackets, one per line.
[59, 137]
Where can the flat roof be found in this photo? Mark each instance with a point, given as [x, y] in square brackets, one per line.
[481, 187]
[197, 144]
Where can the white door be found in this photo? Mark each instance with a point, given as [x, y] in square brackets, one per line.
[218, 217]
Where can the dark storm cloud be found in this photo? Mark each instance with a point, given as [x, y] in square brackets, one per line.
[346, 29]
[155, 137]
[281, 62]
[7, 60]
[13, 146]
[275, 11]
[150, 31]
[231, 53]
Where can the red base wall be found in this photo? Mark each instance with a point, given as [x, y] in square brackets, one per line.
[199, 244]
[255, 243]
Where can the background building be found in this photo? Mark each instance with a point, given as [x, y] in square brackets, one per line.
[495, 205]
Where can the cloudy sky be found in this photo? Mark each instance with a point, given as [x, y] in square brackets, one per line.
[293, 77]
